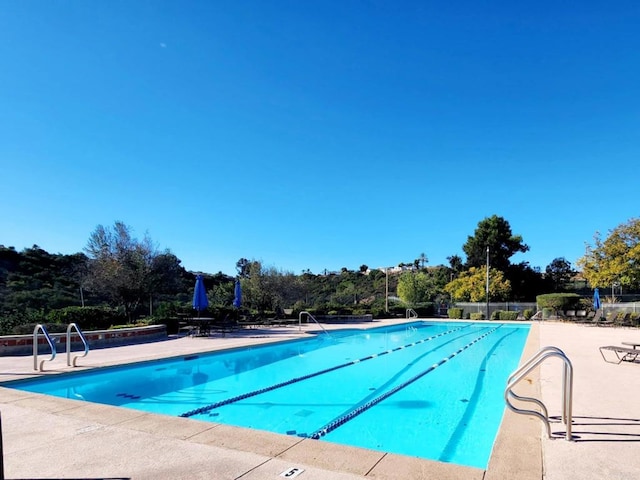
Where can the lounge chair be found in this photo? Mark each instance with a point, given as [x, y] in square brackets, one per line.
[599, 320]
[593, 318]
[622, 354]
[537, 315]
[624, 320]
[605, 322]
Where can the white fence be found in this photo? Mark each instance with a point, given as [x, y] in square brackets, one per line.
[627, 307]
[473, 307]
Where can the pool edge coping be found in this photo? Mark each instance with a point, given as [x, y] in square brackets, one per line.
[505, 458]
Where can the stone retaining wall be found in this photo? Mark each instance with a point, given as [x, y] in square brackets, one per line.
[344, 318]
[23, 344]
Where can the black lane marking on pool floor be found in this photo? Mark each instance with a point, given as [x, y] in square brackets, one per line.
[260, 391]
[329, 427]
[128, 395]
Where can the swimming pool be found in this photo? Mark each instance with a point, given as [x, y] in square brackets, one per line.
[431, 390]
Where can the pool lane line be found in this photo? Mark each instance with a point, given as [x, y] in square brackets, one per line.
[221, 403]
[329, 427]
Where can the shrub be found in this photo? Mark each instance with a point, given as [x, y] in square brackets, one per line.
[504, 315]
[166, 310]
[143, 322]
[361, 310]
[585, 304]
[298, 307]
[87, 318]
[28, 328]
[476, 316]
[528, 313]
[397, 310]
[558, 301]
[426, 309]
[508, 315]
[455, 313]
[11, 323]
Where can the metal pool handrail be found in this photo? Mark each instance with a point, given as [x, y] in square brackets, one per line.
[411, 313]
[84, 341]
[312, 318]
[567, 388]
[51, 342]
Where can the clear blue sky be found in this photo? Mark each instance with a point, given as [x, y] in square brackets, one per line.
[318, 134]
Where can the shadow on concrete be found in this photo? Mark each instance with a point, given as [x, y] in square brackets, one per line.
[598, 434]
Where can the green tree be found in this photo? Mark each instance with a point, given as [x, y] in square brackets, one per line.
[415, 287]
[37, 280]
[265, 288]
[526, 282]
[616, 259]
[126, 270]
[456, 264]
[242, 266]
[559, 272]
[493, 232]
[470, 286]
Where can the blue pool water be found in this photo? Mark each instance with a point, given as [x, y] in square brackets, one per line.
[430, 390]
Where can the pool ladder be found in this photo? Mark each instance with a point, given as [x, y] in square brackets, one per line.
[52, 344]
[312, 318]
[567, 388]
[411, 313]
[73, 326]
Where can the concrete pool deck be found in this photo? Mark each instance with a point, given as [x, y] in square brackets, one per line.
[49, 438]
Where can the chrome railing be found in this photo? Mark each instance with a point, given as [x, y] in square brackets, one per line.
[411, 313]
[51, 341]
[312, 318]
[567, 388]
[73, 326]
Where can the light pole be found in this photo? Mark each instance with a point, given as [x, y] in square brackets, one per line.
[615, 285]
[386, 290]
[487, 282]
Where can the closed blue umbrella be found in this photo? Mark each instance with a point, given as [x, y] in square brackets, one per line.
[596, 299]
[237, 299]
[200, 300]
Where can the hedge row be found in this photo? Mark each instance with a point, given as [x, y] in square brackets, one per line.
[558, 301]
